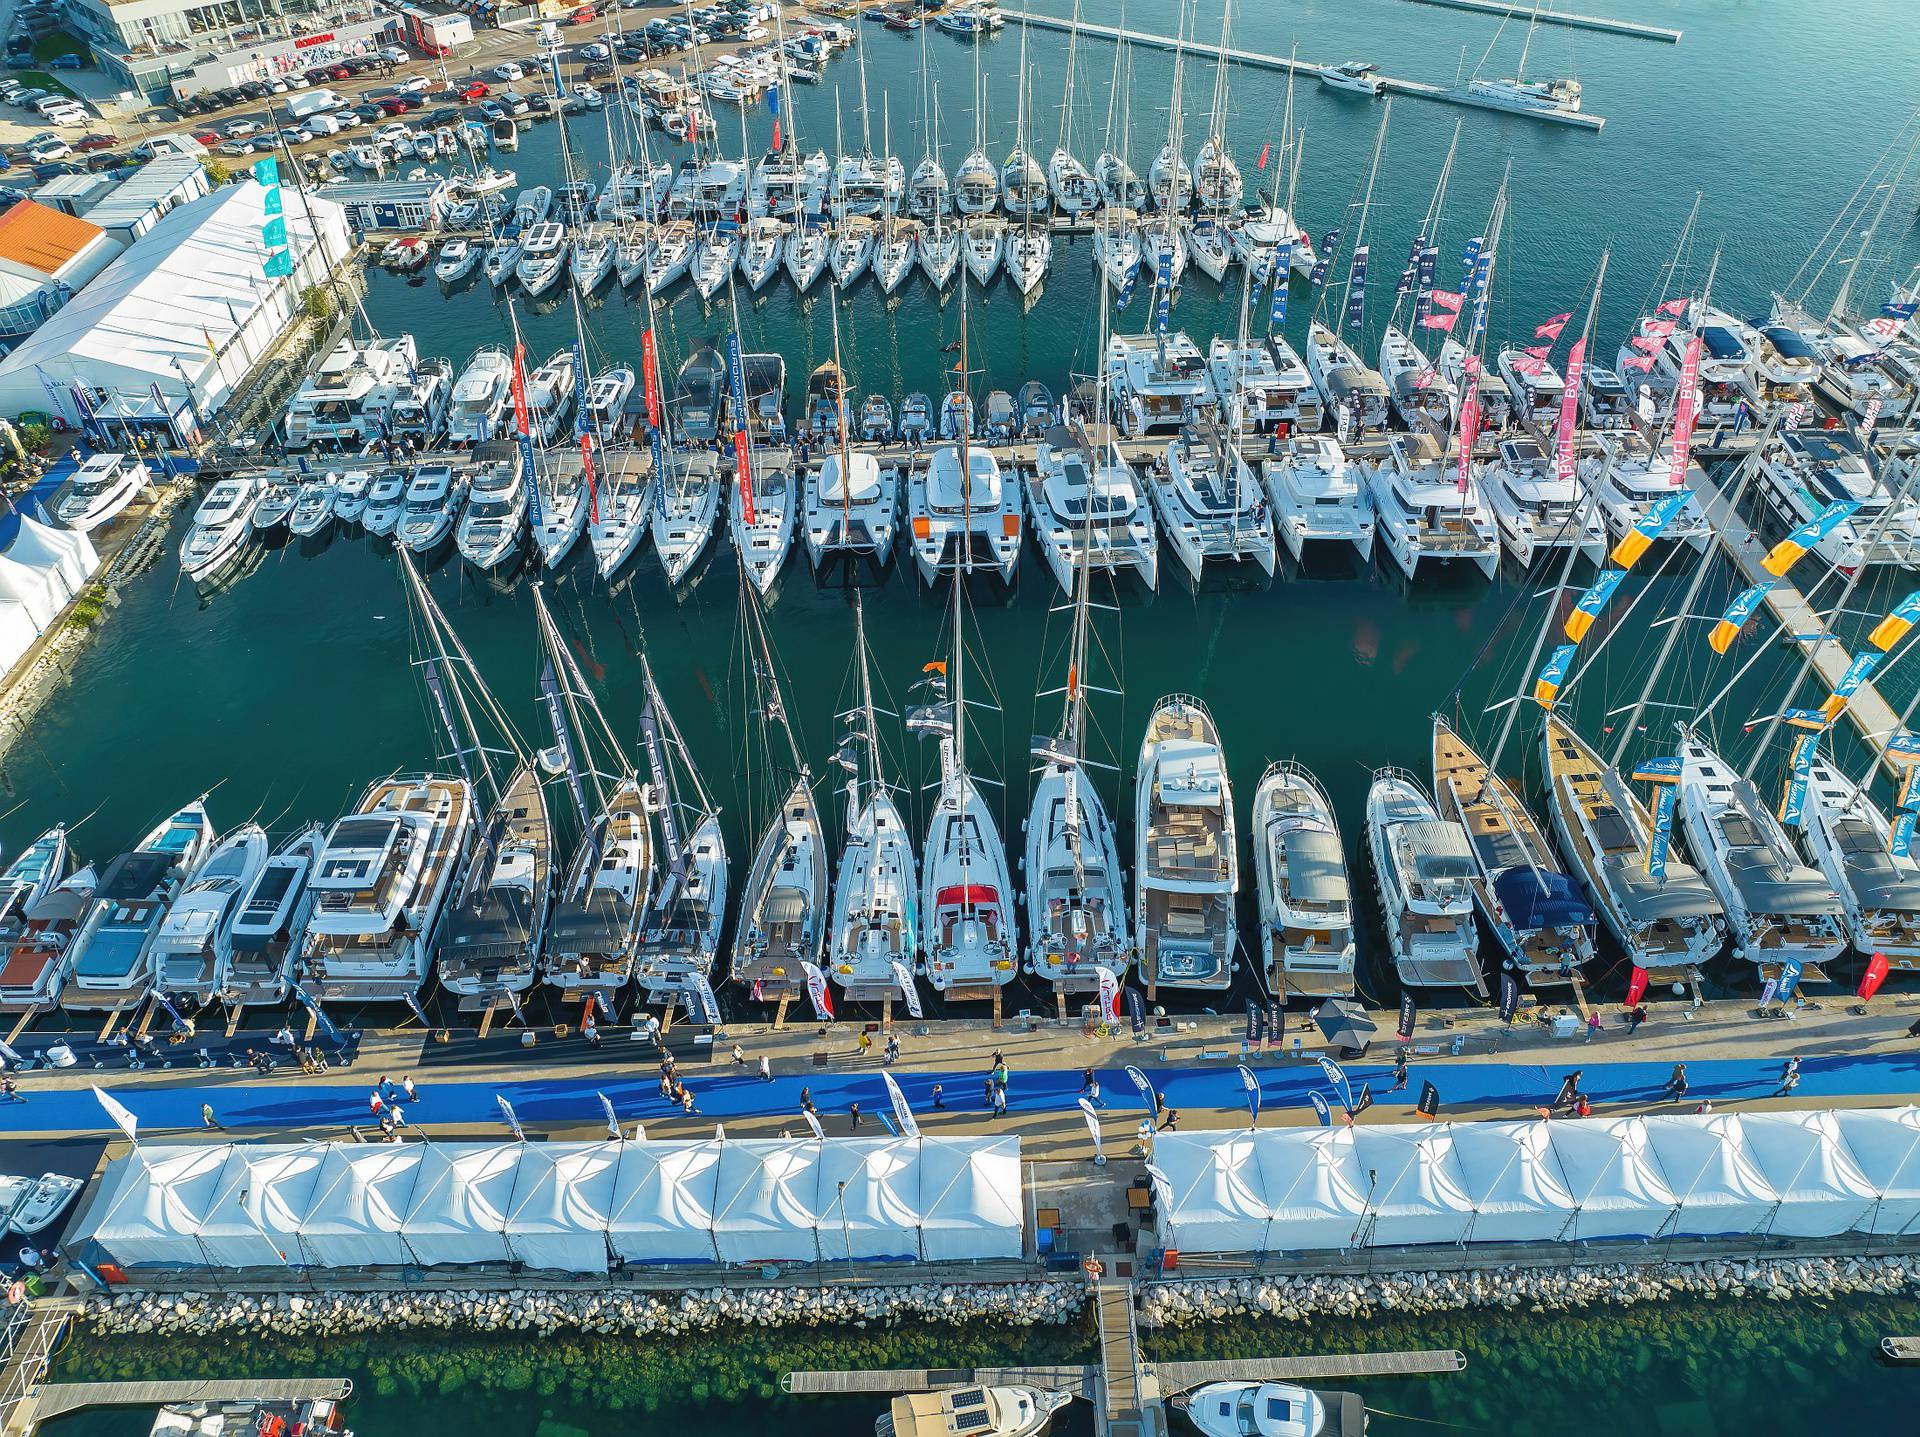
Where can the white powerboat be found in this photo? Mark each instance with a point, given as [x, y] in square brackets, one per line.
[1088, 509]
[431, 509]
[1535, 510]
[481, 395]
[1300, 882]
[222, 528]
[1271, 1409]
[1318, 496]
[1357, 77]
[190, 952]
[1423, 871]
[959, 521]
[386, 497]
[312, 512]
[271, 922]
[456, 261]
[543, 257]
[1186, 851]
[100, 489]
[495, 520]
[1423, 514]
[109, 964]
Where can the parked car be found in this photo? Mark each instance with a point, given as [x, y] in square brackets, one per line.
[28, 96]
[240, 129]
[394, 55]
[584, 14]
[493, 109]
[475, 90]
[88, 143]
[43, 148]
[67, 115]
[413, 85]
[72, 60]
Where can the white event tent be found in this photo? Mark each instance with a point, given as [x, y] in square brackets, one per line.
[562, 1207]
[1817, 1174]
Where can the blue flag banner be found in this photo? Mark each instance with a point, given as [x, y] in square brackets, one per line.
[1790, 972]
[773, 102]
[1324, 260]
[531, 475]
[1901, 845]
[1482, 270]
[737, 381]
[1252, 1085]
[267, 171]
[1282, 269]
[1142, 1086]
[1793, 810]
[1903, 747]
[1663, 804]
[279, 264]
[1337, 1076]
[582, 424]
[1412, 271]
[1163, 288]
[1320, 1108]
[321, 1021]
[1126, 289]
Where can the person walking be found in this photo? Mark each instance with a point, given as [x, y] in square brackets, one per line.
[590, 1030]
[806, 1101]
[375, 1102]
[766, 1069]
[686, 1101]
[1913, 1028]
[1171, 1122]
[1676, 1088]
[1090, 1087]
[208, 1120]
[999, 1101]
[1593, 1025]
[1789, 1078]
[1635, 1016]
[939, 1098]
[1399, 1071]
[739, 1057]
[853, 1117]
[407, 1087]
[892, 1054]
[10, 1089]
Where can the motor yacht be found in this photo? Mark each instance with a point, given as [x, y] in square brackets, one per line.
[269, 923]
[503, 257]
[550, 394]
[1726, 360]
[1355, 397]
[1422, 513]
[1423, 871]
[1300, 882]
[1852, 841]
[313, 508]
[386, 497]
[431, 509]
[38, 928]
[495, 519]
[490, 945]
[686, 503]
[1778, 909]
[190, 951]
[111, 964]
[1803, 472]
[1422, 397]
[1271, 1409]
[1186, 852]
[1669, 924]
[1318, 496]
[1535, 510]
[1209, 504]
[349, 399]
[1158, 384]
[1088, 509]
[382, 886]
[543, 257]
[457, 259]
[1356, 77]
[986, 1411]
[419, 412]
[277, 498]
[222, 529]
[963, 520]
[607, 395]
[100, 490]
[1264, 390]
[591, 939]
[1256, 234]
[350, 494]
[480, 398]
[1543, 925]
[1851, 377]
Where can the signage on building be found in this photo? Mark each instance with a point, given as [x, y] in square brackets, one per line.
[308, 40]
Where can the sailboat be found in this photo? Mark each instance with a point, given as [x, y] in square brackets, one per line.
[1120, 186]
[1558, 96]
[1186, 851]
[929, 192]
[1878, 880]
[1029, 247]
[1543, 925]
[852, 500]
[680, 929]
[561, 502]
[761, 513]
[1077, 922]
[875, 924]
[1169, 180]
[783, 906]
[1073, 189]
[1300, 879]
[1116, 224]
[976, 184]
[1217, 183]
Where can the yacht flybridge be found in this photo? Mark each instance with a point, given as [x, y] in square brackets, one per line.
[349, 399]
[1300, 877]
[1186, 851]
[1778, 909]
[1423, 870]
[1542, 924]
[1318, 497]
[1669, 923]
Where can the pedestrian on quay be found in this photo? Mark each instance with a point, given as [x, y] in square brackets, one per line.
[375, 1103]
[1635, 1016]
[999, 1100]
[1090, 1087]
[853, 1117]
[1583, 1106]
[387, 1125]
[739, 1057]
[384, 1088]
[1789, 1078]
[686, 1101]
[806, 1101]
[939, 1098]
[1171, 1122]
[666, 1084]
[1000, 1073]
[766, 1069]
[590, 1030]
[208, 1120]
[892, 1054]
[864, 1043]
[1676, 1088]
[1399, 1071]
[407, 1087]
[10, 1089]
[1593, 1025]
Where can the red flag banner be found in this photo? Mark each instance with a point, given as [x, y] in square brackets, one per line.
[1469, 422]
[1683, 411]
[1440, 321]
[1564, 457]
[1648, 344]
[520, 389]
[650, 368]
[1445, 299]
[1551, 329]
[1641, 362]
[776, 136]
[1263, 156]
[586, 461]
[1636, 986]
[1658, 328]
[1539, 351]
[1871, 980]
[744, 471]
[1675, 307]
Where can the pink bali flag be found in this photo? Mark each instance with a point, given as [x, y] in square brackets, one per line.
[1658, 328]
[1551, 329]
[1527, 364]
[1641, 362]
[1683, 411]
[1425, 377]
[1563, 458]
[1440, 321]
[1469, 422]
[1539, 351]
[1647, 344]
[1445, 299]
[1674, 306]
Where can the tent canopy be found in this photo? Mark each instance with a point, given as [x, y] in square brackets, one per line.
[361, 1196]
[461, 1199]
[663, 1198]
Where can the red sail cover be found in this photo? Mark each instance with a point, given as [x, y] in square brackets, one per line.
[520, 387]
[650, 370]
[1563, 457]
[745, 473]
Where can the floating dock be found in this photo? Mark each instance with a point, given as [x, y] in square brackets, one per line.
[57, 1399]
[1254, 59]
[1603, 23]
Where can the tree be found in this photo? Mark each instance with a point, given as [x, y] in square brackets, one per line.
[317, 302]
[217, 173]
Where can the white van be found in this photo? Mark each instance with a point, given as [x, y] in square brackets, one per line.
[313, 102]
[318, 125]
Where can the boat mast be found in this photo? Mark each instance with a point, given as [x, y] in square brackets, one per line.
[1066, 99]
[1429, 229]
[1838, 311]
[1533, 20]
[1216, 123]
[866, 133]
[840, 413]
[1360, 231]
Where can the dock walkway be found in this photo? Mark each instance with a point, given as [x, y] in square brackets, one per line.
[1606, 24]
[57, 1399]
[1258, 60]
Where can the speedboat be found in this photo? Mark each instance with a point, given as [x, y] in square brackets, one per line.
[490, 945]
[1209, 504]
[457, 260]
[1535, 913]
[1852, 842]
[956, 416]
[1357, 77]
[1087, 508]
[1535, 510]
[543, 257]
[312, 512]
[916, 421]
[596, 915]
[783, 907]
[1778, 909]
[222, 525]
[876, 420]
[532, 207]
[1317, 497]
[1271, 1409]
[1669, 923]
[481, 395]
[431, 508]
[1423, 871]
[386, 497]
[29, 1206]
[350, 494]
[1001, 423]
[1262, 394]
[1424, 515]
[957, 521]
[1186, 851]
[381, 888]
[269, 923]
[1300, 882]
[277, 498]
[1037, 411]
[495, 519]
[985, 1411]
[194, 944]
[100, 489]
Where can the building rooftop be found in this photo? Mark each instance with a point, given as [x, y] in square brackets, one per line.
[43, 238]
[141, 191]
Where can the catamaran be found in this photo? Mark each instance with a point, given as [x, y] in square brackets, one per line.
[1542, 924]
[1423, 869]
[1209, 503]
[874, 934]
[1425, 514]
[1087, 507]
[1318, 497]
[1157, 383]
[852, 500]
[1535, 510]
[1300, 880]
[1186, 851]
[1265, 389]
[1631, 479]
[1805, 471]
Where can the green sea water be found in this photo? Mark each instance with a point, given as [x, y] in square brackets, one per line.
[287, 692]
[1685, 1369]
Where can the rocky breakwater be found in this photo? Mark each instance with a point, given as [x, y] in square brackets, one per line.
[637, 1314]
[1188, 1303]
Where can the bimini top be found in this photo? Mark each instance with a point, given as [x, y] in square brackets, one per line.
[1539, 898]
